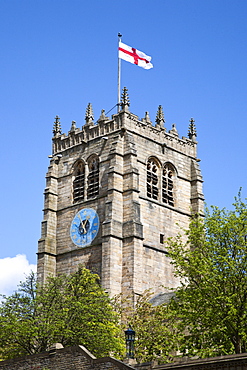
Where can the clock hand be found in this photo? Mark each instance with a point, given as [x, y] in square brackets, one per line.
[83, 224]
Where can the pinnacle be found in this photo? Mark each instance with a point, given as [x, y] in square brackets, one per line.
[73, 126]
[89, 117]
[174, 130]
[147, 118]
[160, 118]
[192, 130]
[125, 102]
[102, 116]
[57, 127]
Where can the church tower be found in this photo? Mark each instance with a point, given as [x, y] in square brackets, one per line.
[115, 191]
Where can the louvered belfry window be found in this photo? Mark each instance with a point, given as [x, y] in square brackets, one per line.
[79, 183]
[93, 178]
[167, 185]
[152, 179]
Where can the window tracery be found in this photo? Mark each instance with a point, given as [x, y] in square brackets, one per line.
[168, 184]
[152, 179]
[79, 183]
[93, 178]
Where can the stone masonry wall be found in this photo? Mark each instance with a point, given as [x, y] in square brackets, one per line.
[78, 358]
[70, 358]
[128, 253]
[228, 362]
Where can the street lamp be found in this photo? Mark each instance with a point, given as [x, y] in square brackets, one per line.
[130, 339]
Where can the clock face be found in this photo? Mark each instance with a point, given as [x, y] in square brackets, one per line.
[84, 227]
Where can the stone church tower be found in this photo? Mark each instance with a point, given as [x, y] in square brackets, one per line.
[115, 190]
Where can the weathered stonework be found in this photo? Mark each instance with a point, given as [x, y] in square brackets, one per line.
[76, 358]
[128, 252]
[79, 358]
[227, 362]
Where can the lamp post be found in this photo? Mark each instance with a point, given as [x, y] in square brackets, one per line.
[130, 339]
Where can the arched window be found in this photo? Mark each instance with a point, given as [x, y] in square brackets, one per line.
[152, 179]
[168, 184]
[93, 178]
[79, 182]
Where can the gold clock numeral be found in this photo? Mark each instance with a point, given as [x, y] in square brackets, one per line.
[94, 231]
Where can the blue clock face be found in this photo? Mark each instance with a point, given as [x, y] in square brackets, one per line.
[84, 227]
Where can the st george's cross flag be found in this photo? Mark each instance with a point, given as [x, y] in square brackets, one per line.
[134, 56]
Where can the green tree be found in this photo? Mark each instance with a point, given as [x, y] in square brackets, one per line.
[67, 309]
[211, 302]
[156, 330]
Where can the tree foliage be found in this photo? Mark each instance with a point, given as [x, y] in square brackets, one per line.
[211, 303]
[156, 330]
[67, 309]
[207, 315]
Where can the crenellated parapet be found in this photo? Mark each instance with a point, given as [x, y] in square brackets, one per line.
[124, 120]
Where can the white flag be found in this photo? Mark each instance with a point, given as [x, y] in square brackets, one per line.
[134, 56]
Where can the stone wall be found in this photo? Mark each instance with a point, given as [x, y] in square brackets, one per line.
[78, 358]
[70, 358]
[229, 362]
[128, 252]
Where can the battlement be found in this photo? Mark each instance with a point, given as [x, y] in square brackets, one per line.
[125, 121]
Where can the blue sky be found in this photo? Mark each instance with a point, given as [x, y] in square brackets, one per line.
[59, 55]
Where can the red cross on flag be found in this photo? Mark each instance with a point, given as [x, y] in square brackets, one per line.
[134, 56]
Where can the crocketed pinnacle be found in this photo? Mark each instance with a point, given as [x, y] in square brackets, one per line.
[57, 127]
[160, 118]
[125, 102]
[192, 130]
[89, 114]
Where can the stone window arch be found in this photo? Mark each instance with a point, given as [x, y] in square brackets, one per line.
[79, 182]
[168, 176]
[153, 179]
[93, 177]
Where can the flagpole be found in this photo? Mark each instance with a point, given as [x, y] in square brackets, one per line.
[119, 72]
